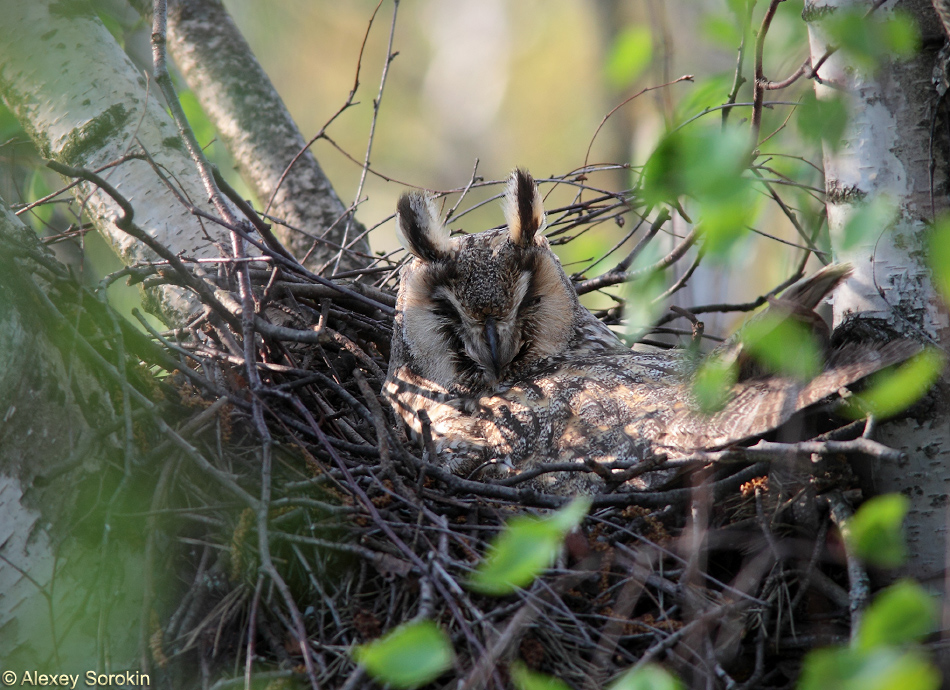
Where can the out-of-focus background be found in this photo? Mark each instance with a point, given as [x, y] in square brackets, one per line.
[509, 84]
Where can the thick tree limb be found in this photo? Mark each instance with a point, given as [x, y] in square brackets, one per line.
[255, 125]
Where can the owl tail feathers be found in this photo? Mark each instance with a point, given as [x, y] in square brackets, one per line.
[811, 290]
[797, 306]
[763, 400]
[761, 405]
[852, 362]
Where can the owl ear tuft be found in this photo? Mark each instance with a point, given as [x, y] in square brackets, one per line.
[419, 227]
[524, 209]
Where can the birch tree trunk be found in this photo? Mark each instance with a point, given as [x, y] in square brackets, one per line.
[83, 102]
[63, 603]
[887, 152]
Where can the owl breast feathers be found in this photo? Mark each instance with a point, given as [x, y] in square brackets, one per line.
[491, 342]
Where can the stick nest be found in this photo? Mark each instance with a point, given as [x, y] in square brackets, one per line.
[346, 532]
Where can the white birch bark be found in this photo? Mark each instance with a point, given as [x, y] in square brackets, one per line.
[50, 601]
[84, 104]
[886, 152]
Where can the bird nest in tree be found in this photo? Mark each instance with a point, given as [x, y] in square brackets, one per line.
[305, 524]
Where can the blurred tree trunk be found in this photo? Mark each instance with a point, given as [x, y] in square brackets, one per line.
[74, 580]
[887, 152]
[59, 430]
[83, 103]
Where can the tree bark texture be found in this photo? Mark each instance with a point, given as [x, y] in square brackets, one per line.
[79, 96]
[255, 125]
[886, 152]
[63, 601]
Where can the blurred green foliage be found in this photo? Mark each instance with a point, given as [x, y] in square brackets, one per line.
[409, 656]
[642, 297]
[650, 677]
[525, 548]
[879, 669]
[901, 614]
[884, 655]
[876, 530]
[893, 391]
[526, 679]
[629, 56]
[706, 94]
[712, 383]
[708, 165]
[868, 222]
[822, 121]
[783, 345]
[938, 258]
[869, 40]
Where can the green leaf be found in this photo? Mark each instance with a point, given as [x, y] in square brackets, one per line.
[708, 93]
[642, 307]
[37, 189]
[900, 35]
[706, 164]
[822, 121]
[737, 7]
[630, 54]
[876, 530]
[570, 516]
[870, 40]
[712, 384]
[883, 668]
[849, 30]
[698, 161]
[113, 26]
[893, 391]
[524, 548]
[868, 221]
[726, 219]
[9, 125]
[939, 256]
[901, 614]
[409, 656]
[650, 677]
[783, 345]
[526, 679]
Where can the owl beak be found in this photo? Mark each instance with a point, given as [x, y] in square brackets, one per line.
[491, 337]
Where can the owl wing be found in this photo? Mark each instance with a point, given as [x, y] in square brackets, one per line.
[759, 405]
[624, 407]
[601, 408]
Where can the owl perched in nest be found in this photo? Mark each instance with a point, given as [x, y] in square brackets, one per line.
[491, 342]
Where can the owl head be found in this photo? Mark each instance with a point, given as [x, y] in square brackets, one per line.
[479, 310]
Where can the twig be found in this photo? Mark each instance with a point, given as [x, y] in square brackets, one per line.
[738, 80]
[377, 102]
[685, 77]
[615, 277]
[347, 104]
[758, 89]
[860, 593]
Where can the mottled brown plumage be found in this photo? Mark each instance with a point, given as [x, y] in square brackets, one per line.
[491, 341]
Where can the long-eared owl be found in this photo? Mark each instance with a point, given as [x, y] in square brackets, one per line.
[491, 342]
